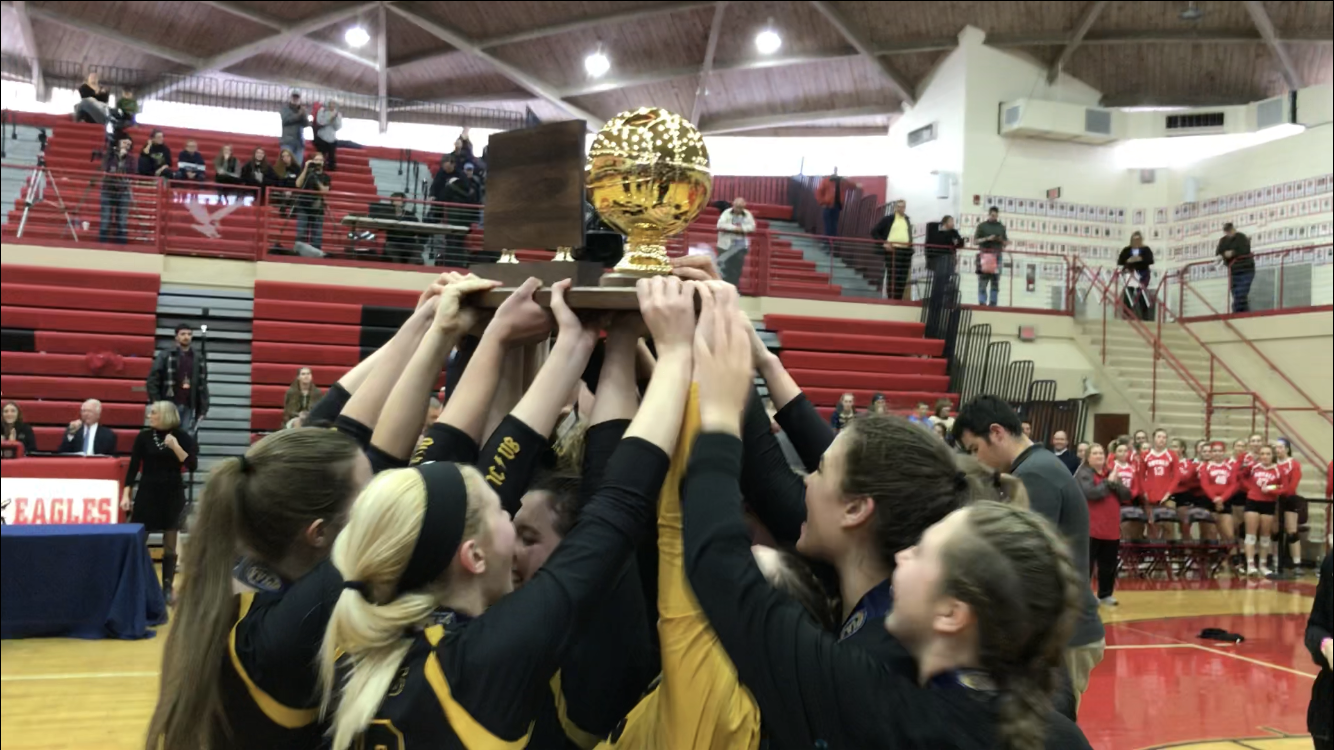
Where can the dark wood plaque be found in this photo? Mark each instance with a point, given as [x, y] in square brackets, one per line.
[535, 188]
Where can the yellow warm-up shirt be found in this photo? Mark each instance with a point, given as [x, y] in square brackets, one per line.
[699, 703]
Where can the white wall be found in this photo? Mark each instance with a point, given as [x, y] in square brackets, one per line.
[914, 172]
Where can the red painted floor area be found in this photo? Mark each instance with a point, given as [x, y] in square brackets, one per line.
[1167, 686]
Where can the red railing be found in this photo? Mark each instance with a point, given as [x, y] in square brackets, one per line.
[82, 207]
[1211, 282]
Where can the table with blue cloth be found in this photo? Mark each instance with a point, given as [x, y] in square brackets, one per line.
[78, 581]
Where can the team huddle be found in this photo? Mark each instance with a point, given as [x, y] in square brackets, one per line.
[1226, 490]
[572, 566]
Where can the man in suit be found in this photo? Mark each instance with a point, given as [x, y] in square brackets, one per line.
[180, 375]
[85, 436]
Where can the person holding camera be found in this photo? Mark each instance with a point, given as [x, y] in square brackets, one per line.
[310, 204]
[116, 191]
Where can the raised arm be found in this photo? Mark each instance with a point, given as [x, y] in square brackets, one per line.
[397, 429]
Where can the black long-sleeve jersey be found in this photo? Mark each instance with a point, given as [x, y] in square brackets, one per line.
[479, 683]
[811, 691]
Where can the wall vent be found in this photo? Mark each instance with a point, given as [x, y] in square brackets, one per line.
[1098, 121]
[1195, 121]
[924, 134]
[1012, 115]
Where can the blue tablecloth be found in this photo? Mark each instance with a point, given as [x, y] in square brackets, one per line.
[78, 581]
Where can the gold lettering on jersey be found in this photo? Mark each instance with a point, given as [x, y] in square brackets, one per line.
[400, 681]
[508, 449]
[380, 735]
[420, 453]
[495, 477]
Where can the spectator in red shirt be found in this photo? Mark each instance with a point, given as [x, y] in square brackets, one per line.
[1105, 493]
[1261, 500]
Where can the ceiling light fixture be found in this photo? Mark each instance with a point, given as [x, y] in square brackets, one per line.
[597, 64]
[768, 41]
[357, 36]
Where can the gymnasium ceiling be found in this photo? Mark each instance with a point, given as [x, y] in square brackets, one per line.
[843, 67]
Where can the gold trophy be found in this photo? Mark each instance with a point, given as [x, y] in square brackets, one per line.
[648, 177]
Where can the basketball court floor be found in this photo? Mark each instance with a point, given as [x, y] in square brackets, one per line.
[1159, 686]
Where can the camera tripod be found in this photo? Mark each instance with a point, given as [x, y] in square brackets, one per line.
[35, 185]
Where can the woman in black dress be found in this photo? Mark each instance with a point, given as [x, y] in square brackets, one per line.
[161, 451]
[1135, 262]
[14, 428]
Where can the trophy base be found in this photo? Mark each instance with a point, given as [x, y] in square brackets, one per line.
[581, 273]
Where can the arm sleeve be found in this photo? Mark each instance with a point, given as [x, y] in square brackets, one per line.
[512, 455]
[806, 688]
[136, 460]
[327, 409]
[1294, 478]
[807, 431]
[353, 429]
[444, 442]
[279, 639]
[881, 229]
[1319, 627]
[1089, 486]
[29, 440]
[381, 461]
[191, 462]
[774, 491]
[514, 643]
[154, 382]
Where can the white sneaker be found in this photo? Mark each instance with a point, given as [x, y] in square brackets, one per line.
[1108, 601]
[1265, 572]
[1252, 571]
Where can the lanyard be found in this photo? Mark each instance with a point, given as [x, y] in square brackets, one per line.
[875, 605]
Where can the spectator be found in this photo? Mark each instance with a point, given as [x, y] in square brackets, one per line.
[298, 421]
[895, 232]
[1105, 495]
[295, 119]
[310, 205]
[878, 404]
[301, 395]
[1082, 451]
[734, 228]
[180, 375]
[127, 109]
[1135, 261]
[86, 436]
[942, 414]
[991, 239]
[448, 187]
[92, 106]
[328, 121]
[226, 171]
[190, 163]
[285, 171]
[14, 428]
[400, 245]
[158, 502]
[1234, 248]
[258, 173]
[1060, 448]
[1320, 644]
[942, 244]
[843, 413]
[830, 197]
[990, 430]
[922, 416]
[155, 161]
[116, 192]
[941, 431]
[473, 181]
[1027, 428]
[463, 152]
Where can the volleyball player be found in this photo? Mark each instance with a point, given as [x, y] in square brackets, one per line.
[428, 551]
[1133, 513]
[1266, 484]
[1293, 504]
[1218, 483]
[1158, 480]
[237, 671]
[986, 630]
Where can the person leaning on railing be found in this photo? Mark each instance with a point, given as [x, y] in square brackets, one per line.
[895, 231]
[1234, 249]
[116, 191]
[991, 239]
[1135, 261]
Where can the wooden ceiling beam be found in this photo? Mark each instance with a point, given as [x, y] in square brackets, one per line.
[278, 25]
[669, 74]
[701, 90]
[1077, 35]
[862, 44]
[30, 46]
[97, 30]
[1265, 26]
[591, 22]
[382, 66]
[1149, 36]
[742, 124]
[527, 81]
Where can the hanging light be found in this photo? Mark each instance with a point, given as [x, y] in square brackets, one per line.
[768, 41]
[357, 36]
[597, 63]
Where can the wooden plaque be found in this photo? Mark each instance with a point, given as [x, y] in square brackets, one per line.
[581, 273]
[578, 298]
[535, 188]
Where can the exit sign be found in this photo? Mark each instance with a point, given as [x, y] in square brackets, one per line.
[1053, 194]
[1028, 333]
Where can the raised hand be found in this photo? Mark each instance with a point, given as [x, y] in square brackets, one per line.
[723, 366]
[668, 307]
[454, 317]
[520, 320]
[75, 425]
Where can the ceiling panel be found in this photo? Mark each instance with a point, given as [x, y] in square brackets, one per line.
[803, 29]
[293, 10]
[1165, 74]
[440, 78]
[891, 23]
[483, 20]
[1161, 16]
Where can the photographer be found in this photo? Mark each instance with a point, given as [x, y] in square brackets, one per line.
[116, 191]
[310, 205]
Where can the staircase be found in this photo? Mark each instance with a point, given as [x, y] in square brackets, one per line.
[853, 284]
[393, 176]
[21, 150]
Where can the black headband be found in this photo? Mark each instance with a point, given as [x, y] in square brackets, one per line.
[442, 525]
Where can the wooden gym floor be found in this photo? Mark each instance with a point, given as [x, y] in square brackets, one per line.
[1158, 687]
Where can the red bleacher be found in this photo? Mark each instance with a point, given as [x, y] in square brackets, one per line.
[74, 334]
[886, 357]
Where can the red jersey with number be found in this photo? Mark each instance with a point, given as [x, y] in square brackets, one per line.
[1218, 481]
[1158, 476]
[1266, 484]
[1291, 470]
[1127, 475]
[1188, 475]
[1243, 468]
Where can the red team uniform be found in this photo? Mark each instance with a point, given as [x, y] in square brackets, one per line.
[1264, 488]
[1242, 468]
[1158, 475]
[1218, 481]
[1188, 484]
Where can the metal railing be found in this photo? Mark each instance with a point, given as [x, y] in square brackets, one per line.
[1284, 279]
